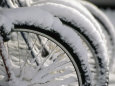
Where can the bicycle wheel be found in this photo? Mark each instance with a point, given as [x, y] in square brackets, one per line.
[65, 65]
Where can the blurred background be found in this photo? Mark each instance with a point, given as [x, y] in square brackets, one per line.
[108, 7]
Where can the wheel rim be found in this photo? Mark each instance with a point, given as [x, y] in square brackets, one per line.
[60, 71]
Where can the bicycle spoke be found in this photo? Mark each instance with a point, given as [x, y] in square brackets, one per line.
[56, 66]
[50, 69]
[27, 55]
[39, 52]
[19, 51]
[56, 82]
[41, 65]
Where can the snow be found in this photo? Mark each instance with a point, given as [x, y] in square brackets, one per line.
[39, 18]
[16, 16]
[79, 20]
[75, 4]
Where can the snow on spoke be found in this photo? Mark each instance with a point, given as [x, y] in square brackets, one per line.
[57, 73]
[65, 67]
[60, 82]
[57, 56]
[49, 69]
[39, 52]
[48, 57]
[26, 59]
[63, 58]
[56, 66]
[52, 75]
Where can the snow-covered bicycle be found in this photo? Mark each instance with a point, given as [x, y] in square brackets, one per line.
[65, 65]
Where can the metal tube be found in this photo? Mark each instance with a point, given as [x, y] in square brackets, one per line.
[4, 57]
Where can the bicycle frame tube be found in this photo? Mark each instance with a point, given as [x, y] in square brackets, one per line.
[4, 57]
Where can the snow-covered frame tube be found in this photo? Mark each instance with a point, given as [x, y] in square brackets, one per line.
[44, 21]
[105, 22]
[86, 28]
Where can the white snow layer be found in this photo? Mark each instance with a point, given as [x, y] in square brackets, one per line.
[77, 5]
[39, 18]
